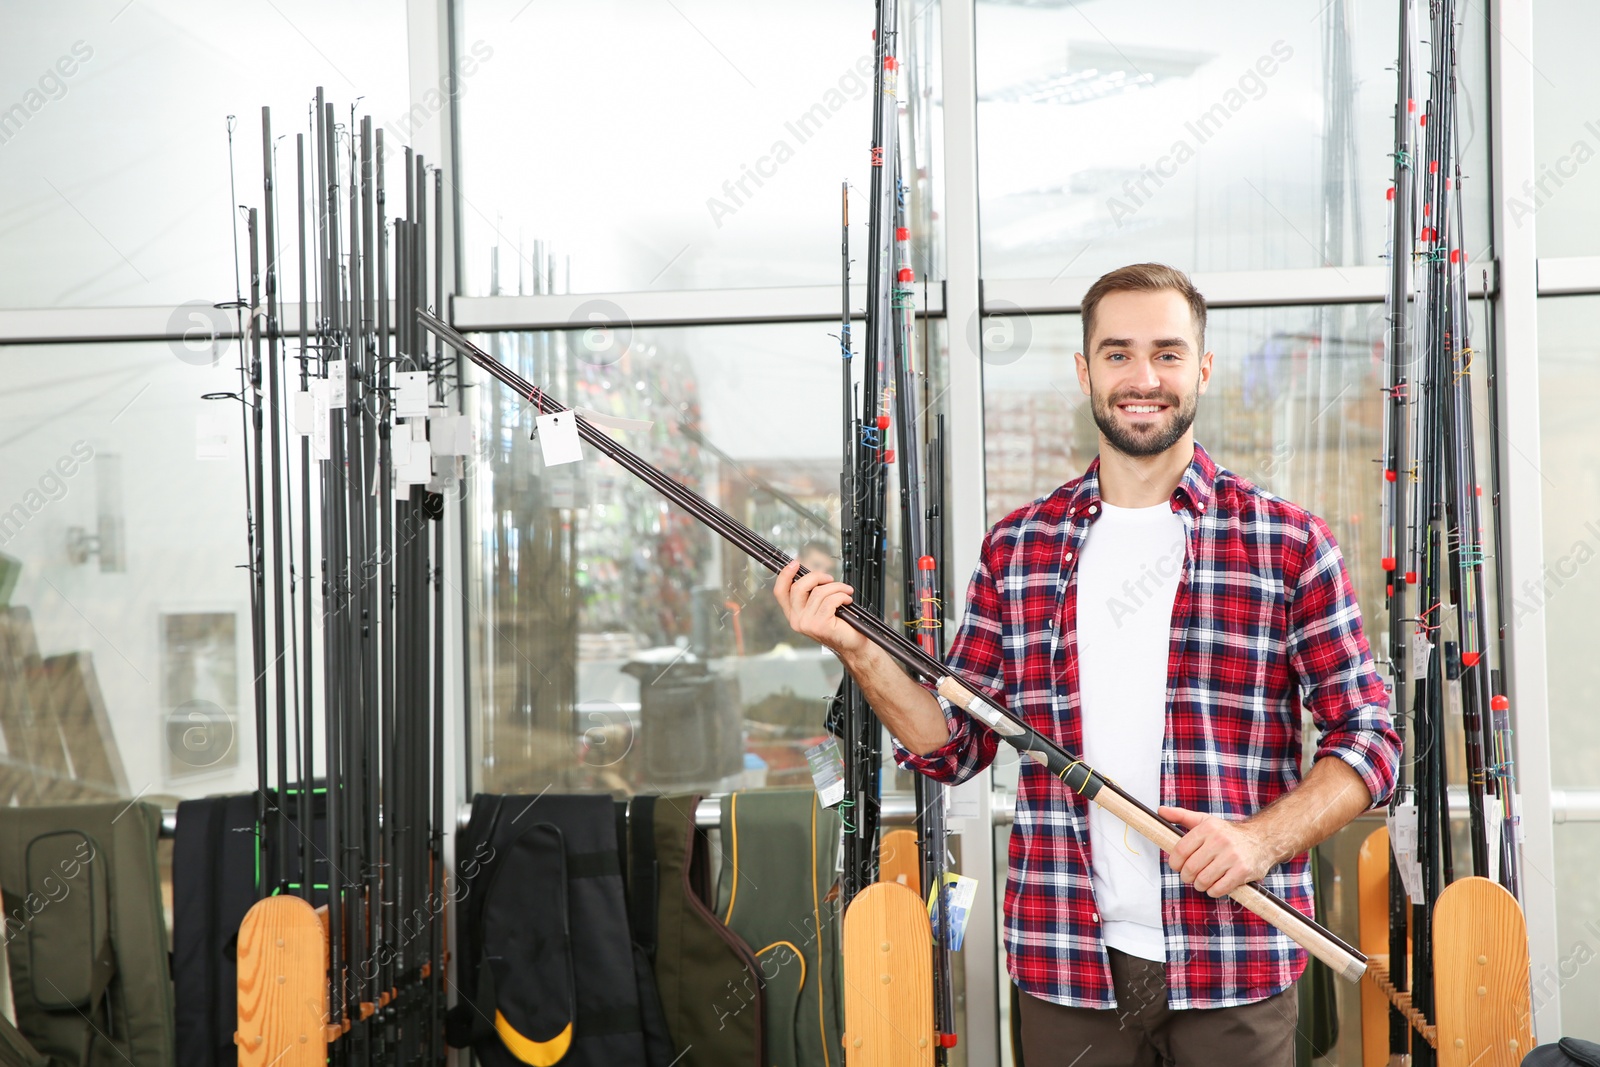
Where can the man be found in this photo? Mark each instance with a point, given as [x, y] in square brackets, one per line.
[1164, 618]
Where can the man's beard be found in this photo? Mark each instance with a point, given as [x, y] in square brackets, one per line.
[1145, 439]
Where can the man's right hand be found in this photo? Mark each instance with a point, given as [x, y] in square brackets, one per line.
[811, 603]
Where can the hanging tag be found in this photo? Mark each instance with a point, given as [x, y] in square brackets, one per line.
[442, 433]
[451, 434]
[959, 893]
[411, 393]
[303, 414]
[413, 462]
[444, 478]
[558, 438]
[338, 383]
[827, 771]
[320, 392]
[1403, 840]
[1421, 650]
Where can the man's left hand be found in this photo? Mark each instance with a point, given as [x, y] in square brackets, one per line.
[1216, 856]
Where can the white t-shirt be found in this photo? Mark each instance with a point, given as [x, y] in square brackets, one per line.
[1127, 577]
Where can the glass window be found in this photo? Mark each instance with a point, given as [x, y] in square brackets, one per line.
[1577, 848]
[127, 618]
[628, 146]
[1293, 406]
[1565, 194]
[616, 644]
[113, 131]
[1563, 599]
[1252, 137]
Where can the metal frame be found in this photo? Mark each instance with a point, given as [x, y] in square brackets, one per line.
[1565, 276]
[1511, 161]
[972, 804]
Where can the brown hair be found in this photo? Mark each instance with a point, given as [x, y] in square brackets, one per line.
[1143, 278]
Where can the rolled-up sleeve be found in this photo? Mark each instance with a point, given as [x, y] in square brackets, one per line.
[977, 658]
[1339, 682]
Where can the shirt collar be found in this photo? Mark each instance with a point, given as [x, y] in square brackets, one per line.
[1195, 489]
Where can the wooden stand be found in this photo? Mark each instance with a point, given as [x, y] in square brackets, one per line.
[1480, 961]
[1372, 881]
[888, 979]
[283, 986]
[898, 860]
[1483, 1015]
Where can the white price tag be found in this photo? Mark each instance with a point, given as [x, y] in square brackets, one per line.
[1403, 840]
[338, 383]
[827, 771]
[558, 438]
[1421, 649]
[303, 414]
[411, 393]
[321, 391]
[451, 434]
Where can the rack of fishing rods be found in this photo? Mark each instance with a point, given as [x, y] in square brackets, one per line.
[345, 554]
[1443, 665]
[886, 411]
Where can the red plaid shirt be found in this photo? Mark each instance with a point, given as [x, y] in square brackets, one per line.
[1264, 619]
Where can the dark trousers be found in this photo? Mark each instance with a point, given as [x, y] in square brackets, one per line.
[1144, 1032]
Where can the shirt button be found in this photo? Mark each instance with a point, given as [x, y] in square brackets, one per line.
[1095, 915]
[1069, 556]
[1093, 508]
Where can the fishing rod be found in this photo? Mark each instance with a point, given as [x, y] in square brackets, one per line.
[1399, 572]
[849, 710]
[1460, 478]
[258, 569]
[1454, 676]
[433, 968]
[363, 849]
[1432, 811]
[919, 567]
[249, 397]
[332, 577]
[1501, 768]
[806, 515]
[306, 816]
[1072, 770]
[381, 589]
[386, 712]
[274, 398]
[866, 461]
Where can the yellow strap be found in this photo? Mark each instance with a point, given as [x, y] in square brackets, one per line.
[790, 946]
[733, 826]
[1068, 770]
[816, 913]
[537, 1053]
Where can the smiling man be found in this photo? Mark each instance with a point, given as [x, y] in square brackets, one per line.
[1168, 620]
